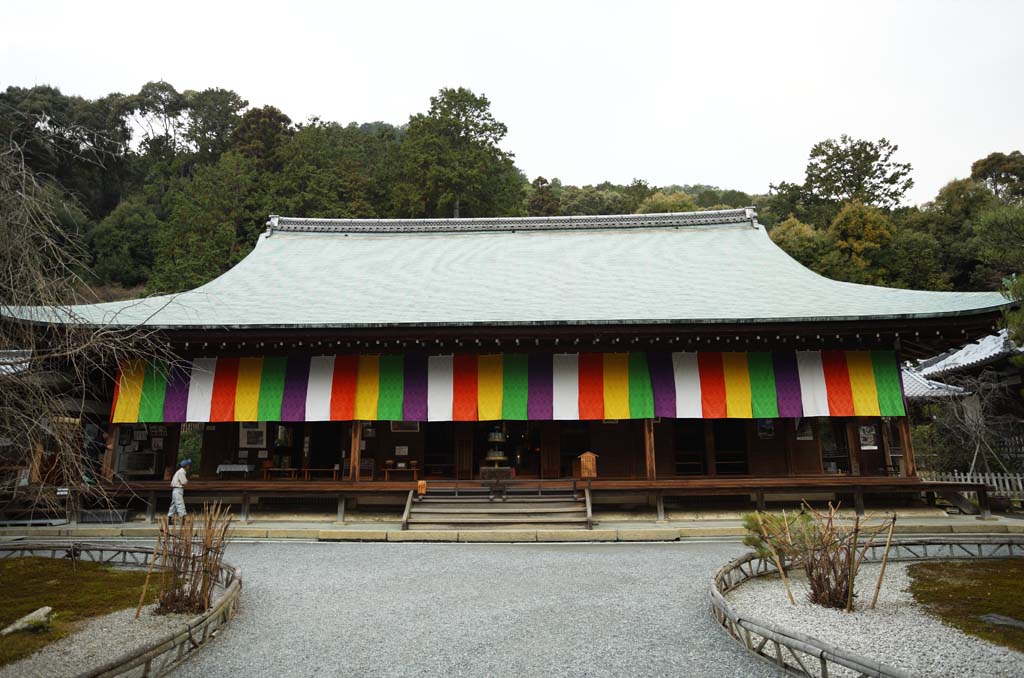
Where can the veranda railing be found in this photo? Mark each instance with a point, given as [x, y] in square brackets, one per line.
[1009, 485]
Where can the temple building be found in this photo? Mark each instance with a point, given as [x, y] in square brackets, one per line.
[687, 351]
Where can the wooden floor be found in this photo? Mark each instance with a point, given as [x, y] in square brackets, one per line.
[705, 485]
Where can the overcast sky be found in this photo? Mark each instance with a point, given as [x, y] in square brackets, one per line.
[726, 93]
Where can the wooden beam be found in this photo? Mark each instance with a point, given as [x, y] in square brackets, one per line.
[355, 452]
[109, 456]
[171, 444]
[649, 461]
[853, 445]
[35, 468]
[907, 443]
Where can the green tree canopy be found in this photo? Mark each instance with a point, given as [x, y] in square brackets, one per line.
[542, 201]
[859, 234]
[453, 164]
[660, 202]
[213, 221]
[801, 241]
[260, 132]
[1003, 174]
[848, 169]
[122, 244]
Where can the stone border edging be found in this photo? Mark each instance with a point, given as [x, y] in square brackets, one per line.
[757, 636]
[158, 656]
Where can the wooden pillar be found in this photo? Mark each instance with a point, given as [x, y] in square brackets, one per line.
[35, 468]
[649, 463]
[357, 437]
[171, 450]
[858, 500]
[853, 446]
[907, 443]
[151, 506]
[109, 454]
[341, 508]
[709, 448]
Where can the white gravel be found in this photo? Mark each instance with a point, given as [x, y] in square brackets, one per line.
[96, 642]
[495, 610]
[897, 632]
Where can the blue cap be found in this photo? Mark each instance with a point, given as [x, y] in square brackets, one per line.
[186, 462]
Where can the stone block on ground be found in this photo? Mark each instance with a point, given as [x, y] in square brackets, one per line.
[33, 621]
[423, 535]
[352, 535]
[293, 533]
[577, 535]
[242, 532]
[979, 527]
[919, 528]
[497, 535]
[649, 534]
[712, 531]
[92, 532]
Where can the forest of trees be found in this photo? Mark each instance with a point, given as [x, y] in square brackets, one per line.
[169, 189]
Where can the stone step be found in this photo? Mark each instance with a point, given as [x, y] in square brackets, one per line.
[493, 520]
[434, 509]
[428, 499]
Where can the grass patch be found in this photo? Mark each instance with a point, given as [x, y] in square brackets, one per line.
[75, 593]
[959, 592]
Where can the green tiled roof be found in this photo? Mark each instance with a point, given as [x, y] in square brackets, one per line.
[691, 268]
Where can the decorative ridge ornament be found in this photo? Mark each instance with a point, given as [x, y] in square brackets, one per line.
[745, 215]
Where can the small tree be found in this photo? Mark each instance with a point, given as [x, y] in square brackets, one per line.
[971, 432]
[51, 360]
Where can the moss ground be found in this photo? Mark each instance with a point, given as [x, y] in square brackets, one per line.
[75, 592]
[959, 592]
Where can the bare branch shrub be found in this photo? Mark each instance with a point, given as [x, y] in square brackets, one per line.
[828, 547]
[52, 362]
[190, 552]
[982, 430]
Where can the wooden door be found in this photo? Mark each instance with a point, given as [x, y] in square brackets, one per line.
[867, 436]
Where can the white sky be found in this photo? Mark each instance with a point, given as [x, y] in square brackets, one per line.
[726, 93]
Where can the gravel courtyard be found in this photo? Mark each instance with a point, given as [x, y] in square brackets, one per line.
[475, 610]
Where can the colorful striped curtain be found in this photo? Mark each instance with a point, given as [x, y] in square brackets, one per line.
[471, 387]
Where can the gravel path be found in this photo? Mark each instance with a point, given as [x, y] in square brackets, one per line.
[897, 631]
[94, 644]
[475, 610]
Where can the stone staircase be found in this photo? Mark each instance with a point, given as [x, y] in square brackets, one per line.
[470, 508]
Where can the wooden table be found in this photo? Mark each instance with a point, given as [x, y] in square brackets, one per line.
[414, 471]
[290, 473]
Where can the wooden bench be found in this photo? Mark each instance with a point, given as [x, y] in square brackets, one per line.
[307, 473]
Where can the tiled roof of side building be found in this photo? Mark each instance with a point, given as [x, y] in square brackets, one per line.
[916, 387]
[982, 352]
[689, 268]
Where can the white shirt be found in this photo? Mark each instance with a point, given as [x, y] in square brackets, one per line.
[179, 479]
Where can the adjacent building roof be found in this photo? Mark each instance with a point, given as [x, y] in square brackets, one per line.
[918, 387]
[688, 268]
[985, 351]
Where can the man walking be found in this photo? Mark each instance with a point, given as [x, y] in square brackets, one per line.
[178, 483]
